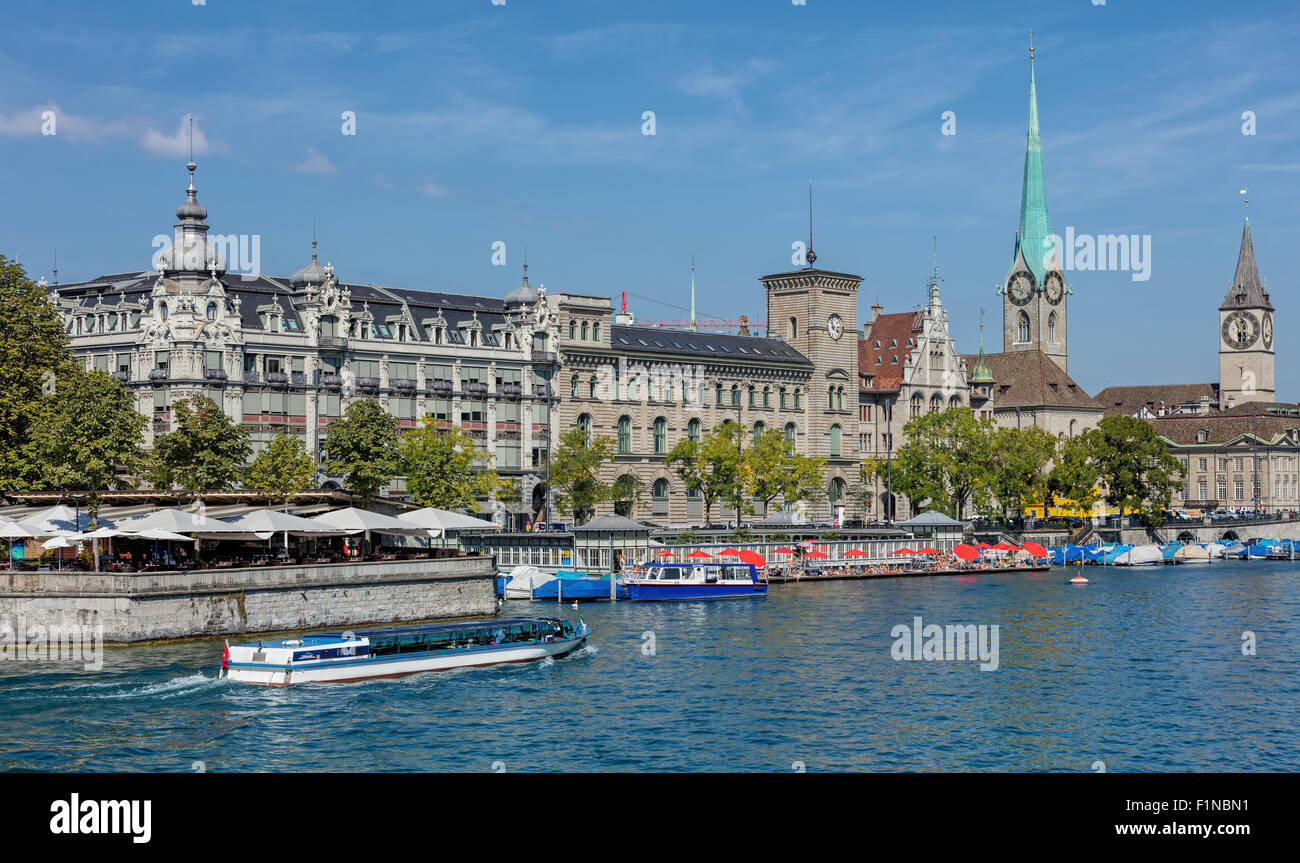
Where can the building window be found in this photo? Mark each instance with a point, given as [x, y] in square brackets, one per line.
[789, 434]
[936, 403]
[794, 328]
[1051, 327]
[1239, 490]
[1022, 327]
[591, 387]
[781, 400]
[693, 430]
[717, 392]
[1202, 436]
[584, 331]
[573, 329]
[955, 402]
[735, 396]
[836, 491]
[759, 428]
[659, 496]
[915, 405]
[751, 397]
[835, 441]
[797, 395]
[767, 397]
[661, 435]
[584, 423]
[573, 387]
[595, 332]
[624, 434]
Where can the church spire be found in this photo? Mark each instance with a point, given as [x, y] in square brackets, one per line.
[1034, 224]
[1247, 289]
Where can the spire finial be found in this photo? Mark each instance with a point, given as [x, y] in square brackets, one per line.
[313, 239]
[811, 257]
[1031, 46]
[692, 292]
[1245, 202]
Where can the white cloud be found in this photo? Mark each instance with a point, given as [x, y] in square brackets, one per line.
[28, 122]
[177, 144]
[433, 190]
[316, 163]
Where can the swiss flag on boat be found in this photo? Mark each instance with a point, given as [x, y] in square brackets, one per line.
[225, 655]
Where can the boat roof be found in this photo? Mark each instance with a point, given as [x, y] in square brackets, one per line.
[432, 627]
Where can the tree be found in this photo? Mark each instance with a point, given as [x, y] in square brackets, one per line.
[444, 469]
[575, 470]
[34, 359]
[629, 490]
[1075, 473]
[363, 446]
[1018, 474]
[1134, 466]
[945, 460]
[283, 469]
[862, 491]
[207, 452]
[90, 438]
[713, 467]
[775, 469]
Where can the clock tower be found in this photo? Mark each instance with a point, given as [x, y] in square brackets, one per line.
[1034, 291]
[1246, 334]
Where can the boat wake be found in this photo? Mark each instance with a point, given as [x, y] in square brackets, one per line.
[162, 689]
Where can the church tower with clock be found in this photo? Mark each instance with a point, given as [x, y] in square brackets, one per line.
[1034, 291]
[1246, 334]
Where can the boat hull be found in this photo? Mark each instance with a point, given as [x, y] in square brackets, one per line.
[371, 668]
[650, 591]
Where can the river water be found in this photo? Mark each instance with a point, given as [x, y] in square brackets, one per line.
[1141, 670]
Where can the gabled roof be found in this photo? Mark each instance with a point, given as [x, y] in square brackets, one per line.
[1031, 379]
[1127, 401]
[884, 364]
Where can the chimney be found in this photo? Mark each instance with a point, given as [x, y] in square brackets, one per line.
[623, 318]
[876, 309]
[744, 326]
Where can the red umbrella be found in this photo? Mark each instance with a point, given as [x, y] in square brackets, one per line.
[815, 553]
[783, 550]
[904, 551]
[855, 552]
[1035, 549]
[698, 554]
[663, 552]
[1005, 546]
[984, 545]
[752, 557]
[927, 551]
[966, 552]
[728, 552]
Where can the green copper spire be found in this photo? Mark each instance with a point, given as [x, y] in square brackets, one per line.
[981, 374]
[1035, 228]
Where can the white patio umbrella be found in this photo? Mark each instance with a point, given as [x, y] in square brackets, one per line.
[13, 530]
[353, 520]
[265, 523]
[56, 520]
[435, 520]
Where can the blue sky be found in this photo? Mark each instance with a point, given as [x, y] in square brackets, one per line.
[522, 123]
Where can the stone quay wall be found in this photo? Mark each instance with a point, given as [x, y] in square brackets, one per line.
[216, 602]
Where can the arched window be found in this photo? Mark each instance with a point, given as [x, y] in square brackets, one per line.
[1074, 424]
[624, 434]
[212, 311]
[595, 332]
[735, 396]
[781, 400]
[954, 402]
[584, 331]
[717, 391]
[767, 397]
[796, 399]
[584, 423]
[836, 491]
[591, 387]
[936, 403]
[573, 329]
[835, 441]
[659, 496]
[1051, 327]
[751, 397]
[915, 405]
[759, 428]
[789, 434]
[1022, 327]
[839, 398]
[573, 386]
[693, 430]
[163, 311]
[830, 398]
[794, 328]
[661, 435]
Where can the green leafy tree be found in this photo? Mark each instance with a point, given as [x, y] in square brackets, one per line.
[91, 439]
[445, 470]
[861, 492]
[1134, 466]
[629, 491]
[714, 466]
[207, 452]
[575, 470]
[34, 358]
[1075, 473]
[1018, 472]
[945, 461]
[363, 446]
[283, 469]
[774, 470]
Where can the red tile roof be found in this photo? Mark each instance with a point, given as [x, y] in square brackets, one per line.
[883, 365]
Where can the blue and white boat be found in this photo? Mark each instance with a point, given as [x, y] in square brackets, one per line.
[344, 657]
[658, 581]
[568, 585]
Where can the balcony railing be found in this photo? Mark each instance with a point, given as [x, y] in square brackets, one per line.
[336, 343]
[252, 378]
[477, 388]
[159, 374]
[329, 379]
[298, 379]
[510, 391]
[546, 357]
[121, 376]
[440, 387]
[543, 391]
[402, 383]
[277, 377]
[368, 383]
[215, 374]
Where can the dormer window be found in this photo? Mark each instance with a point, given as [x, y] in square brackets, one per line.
[212, 311]
[1202, 436]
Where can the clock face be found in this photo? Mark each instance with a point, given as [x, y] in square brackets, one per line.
[1268, 330]
[835, 327]
[1020, 287]
[1055, 288]
[1241, 330]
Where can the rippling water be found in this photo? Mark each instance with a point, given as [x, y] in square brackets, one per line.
[1141, 669]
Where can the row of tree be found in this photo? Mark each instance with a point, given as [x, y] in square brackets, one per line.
[961, 464]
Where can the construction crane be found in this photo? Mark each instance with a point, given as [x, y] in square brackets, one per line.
[742, 324]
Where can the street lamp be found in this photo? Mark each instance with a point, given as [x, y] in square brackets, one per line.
[889, 462]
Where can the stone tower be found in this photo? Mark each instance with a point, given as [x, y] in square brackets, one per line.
[1246, 334]
[1034, 290]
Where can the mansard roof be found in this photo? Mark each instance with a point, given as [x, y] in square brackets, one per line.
[709, 347]
[1129, 400]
